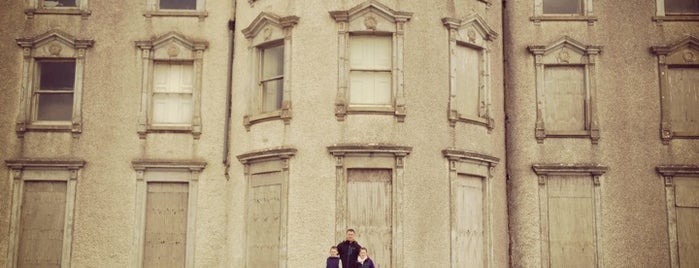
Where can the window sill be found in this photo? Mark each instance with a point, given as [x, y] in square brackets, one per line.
[538, 19]
[58, 127]
[481, 121]
[176, 13]
[250, 120]
[371, 110]
[169, 129]
[661, 19]
[57, 11]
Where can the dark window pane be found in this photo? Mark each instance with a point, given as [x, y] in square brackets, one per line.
[60, 3]
[562, 6]
[57, 75]
[178, 4]
[55, 107]
[681, 6]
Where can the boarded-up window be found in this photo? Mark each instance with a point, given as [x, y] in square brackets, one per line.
[468, 239]
[369, 202]
[680, 7]
[370, 70]
[166, 224]
[42, 223]
[564, 98]
[172, 93]
[687, 207]
[468, 80]
[684, 99]
[571, 221]
[562, 7]
[264, 220]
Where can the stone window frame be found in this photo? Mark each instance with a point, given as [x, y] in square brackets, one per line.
[35, 169]
[473, 33]
[478, 165]
[683, 53]
[150, 170]
[668, 173]
[559, 53]
[54, 44]
[265, 161]
[596, 172]
[153, 10]
[371, 156]
[170, 47]
[36, 7]
[661, 16]
[274, 29]
[587, 14]
[370, 18]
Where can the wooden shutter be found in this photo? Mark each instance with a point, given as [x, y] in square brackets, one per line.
[469, 236]
[571, 221]
[687, 206]
[468, 80]
[42, 224]
[564, 98]
[264, 219]
[166, 224]
[369, 201]
[684, 99]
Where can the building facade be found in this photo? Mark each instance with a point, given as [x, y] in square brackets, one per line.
[470, 133]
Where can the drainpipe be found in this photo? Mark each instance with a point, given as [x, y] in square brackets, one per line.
[229, 89]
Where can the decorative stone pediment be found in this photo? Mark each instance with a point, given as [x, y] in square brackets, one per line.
[372, 16]
[54, 44]
[269, 27]
[683, 52]
[173, 46]
[472, 30]
[565, 51]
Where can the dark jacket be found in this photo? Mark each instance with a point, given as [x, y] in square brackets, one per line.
[348, 253]
[333, 262]
[368, 263]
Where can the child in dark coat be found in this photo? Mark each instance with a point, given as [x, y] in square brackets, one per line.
[363, 260]
[334, 259]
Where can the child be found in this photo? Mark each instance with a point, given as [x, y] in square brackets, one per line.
[363, 260]
[334, 259]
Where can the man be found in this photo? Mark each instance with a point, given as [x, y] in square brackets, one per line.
[349, 250]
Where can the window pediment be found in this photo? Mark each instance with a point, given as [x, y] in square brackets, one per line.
[170, 46]
[683, 52]
[271, 25]
[565, 51]
[471, 30]
[54, 44]
[371, 16]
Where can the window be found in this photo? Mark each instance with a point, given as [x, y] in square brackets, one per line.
[678, 65]
[53, 70]
[682, 200]
[176, 8]
[371, 81]
[54, 94]
[570, 214]
[370, 70]
[563, 10]
[470, 207]
[57, 7]
[171, 83]
[566, 90]
[166, 205]
[270, 87]
[172, 93]
[267, 175]
[42, 220]
[366, 197]
[676, 10]
[469, 72]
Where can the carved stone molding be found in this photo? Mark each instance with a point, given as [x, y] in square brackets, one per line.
[566, 169]
[22, 163]
[454, 154]
[280, 153]
[191, 165]
[670, 171]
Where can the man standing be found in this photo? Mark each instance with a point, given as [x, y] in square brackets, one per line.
[349, 250]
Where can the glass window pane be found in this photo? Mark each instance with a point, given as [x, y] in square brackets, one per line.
[370, 88]
[272, 95]
[371, 52]
[172, 108]
[272, 62]
[56, 75]
[60, 3]
[681, 6]
[55, 107]
[173, 77]
[562, 6]
[178, 4]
